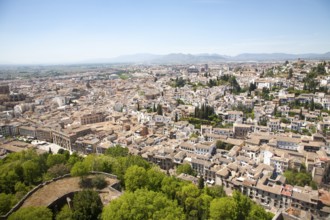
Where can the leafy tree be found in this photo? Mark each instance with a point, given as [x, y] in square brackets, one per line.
[179, 82]
[54, 159]
[74, 158]
[91, 162]
[305, 86]
[31, 172]
[99, 182]
[170, 185]
[290, 74]
[8, 180]
[203, 206]
[312, 105]
[262, 75]
[263, 122]
[302, 178]
[102, 163]
[143, 204]
[135, 178]
[243, 204]
[179, 102]
[187, 198]
[223, 208]
[190, 190]
[252, 87]
[275, 110]
[123, 163]
[195, 203]
[87, 205]
[159, 109]
[319, 69]
[313, 184]
[224, 146]
[21, 189]
[234, 84]
[28, 213]
[204, 112]
[265, 94]
[58, 170]
[79, 169]
[201, 183]
[154, 179]
[85, 182]
[65, 152]
[65, 214]
[212, 83]
[257, 212]
[19, 172]
[311, 82]
[185, 168]
[238, 207]
[215, 191]
[235, 87]
[41, 160]
[301, 116]
[6, 202]
[117, 151]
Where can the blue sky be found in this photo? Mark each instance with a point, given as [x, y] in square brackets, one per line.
[63, 31]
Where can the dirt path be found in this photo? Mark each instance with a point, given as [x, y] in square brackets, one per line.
[49, 193]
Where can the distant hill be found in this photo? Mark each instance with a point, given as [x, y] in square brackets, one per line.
[189, 58]
[278, 56]
[180, 58]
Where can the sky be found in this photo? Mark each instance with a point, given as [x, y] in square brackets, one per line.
[66, 31]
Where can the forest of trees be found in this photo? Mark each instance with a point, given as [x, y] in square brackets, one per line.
[225, 79]
[179, 82]
[231, 80]
[310, 84]
[149, 192]
[204, 112]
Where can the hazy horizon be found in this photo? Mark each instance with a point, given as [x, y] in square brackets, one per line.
[54, 32]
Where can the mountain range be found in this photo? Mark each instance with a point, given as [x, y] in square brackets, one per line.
[180, 58]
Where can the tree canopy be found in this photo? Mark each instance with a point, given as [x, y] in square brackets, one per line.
[301, 178]
[159, 109]
[117, 151]
[64, 214]
[238, 207]
[135, 178]
[185, 168]
[149, 192]
[143, 204]
[204, 112]
[28, 213]
[87, 205]
[6, 201]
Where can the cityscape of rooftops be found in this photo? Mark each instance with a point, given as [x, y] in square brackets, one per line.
[190, 109]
